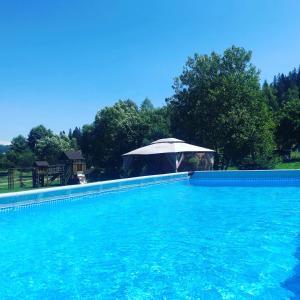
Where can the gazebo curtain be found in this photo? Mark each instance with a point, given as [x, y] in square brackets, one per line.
[206, 160]
[175, 160]
[127, 160]
[171, 157]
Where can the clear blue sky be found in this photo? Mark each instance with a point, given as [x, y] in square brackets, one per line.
[62, 60]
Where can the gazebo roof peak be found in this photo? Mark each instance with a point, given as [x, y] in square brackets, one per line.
[168, 140]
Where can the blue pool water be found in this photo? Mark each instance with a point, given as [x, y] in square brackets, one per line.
[178, 240]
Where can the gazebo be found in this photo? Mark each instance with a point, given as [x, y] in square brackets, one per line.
[167, 155]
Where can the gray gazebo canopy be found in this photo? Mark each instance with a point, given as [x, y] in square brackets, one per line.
[172, 149]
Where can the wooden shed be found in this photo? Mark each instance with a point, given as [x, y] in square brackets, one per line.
[75, 160]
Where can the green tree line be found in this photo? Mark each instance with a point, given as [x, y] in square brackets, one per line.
[40, 144]
[218, 102]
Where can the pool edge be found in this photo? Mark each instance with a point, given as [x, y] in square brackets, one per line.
[46, 195]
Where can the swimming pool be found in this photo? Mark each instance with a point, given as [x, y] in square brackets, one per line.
[209, 236]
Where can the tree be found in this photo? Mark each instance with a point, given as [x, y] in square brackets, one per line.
[119, 129]
[37, 133]
[77, 135]
[114, 132]
[70, 135]
[155, 124]
[25, 159]
[19, 154]
[288, 130]
[19, 144]
[270, 96]
[286, 87]
[147, 105]
[87, 143]
[5, 163]
[51, 148]
[218, 103]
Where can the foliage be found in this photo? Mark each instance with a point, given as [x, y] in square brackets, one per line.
[147, 106]
[194, 162]
[37, 133]
[270, 97]
[5, 163]
[75, 136]
[115, 132]
[19, 144]
[119, 129]
[87, 143]
[288, 130]
[295, 156]
[218, 103]
[19, 154]
[51, 148]
[25, 159]
[155, 124]
[261, 163]
[283, 97]
[292, 163]
[41, 144]
[286, 86]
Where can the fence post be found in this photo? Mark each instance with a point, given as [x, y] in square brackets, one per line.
[11, 179]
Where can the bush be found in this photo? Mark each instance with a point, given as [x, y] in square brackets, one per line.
[193, 163]
[261, 163]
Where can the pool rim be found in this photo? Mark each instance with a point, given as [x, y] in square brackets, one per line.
[37, 196]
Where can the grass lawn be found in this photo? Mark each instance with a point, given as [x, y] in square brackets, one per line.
[288, 165]
[280, 166]
[293, 164]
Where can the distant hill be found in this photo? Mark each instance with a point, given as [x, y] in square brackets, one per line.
[4, 148]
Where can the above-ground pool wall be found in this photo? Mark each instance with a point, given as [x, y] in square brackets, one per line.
[49, 194]
[257, 177]
[213, 178]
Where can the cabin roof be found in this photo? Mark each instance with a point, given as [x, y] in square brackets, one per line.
[41, 163]
[72, 155]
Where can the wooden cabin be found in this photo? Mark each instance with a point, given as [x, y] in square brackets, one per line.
[75, 160]
[74, 165]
